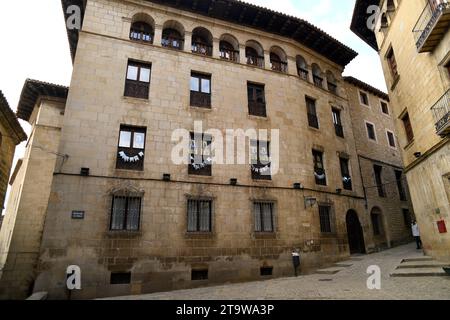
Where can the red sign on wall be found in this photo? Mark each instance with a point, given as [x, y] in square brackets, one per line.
[442, 227]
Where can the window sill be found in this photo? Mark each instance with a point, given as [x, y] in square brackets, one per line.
[409, 145]
[123, 234]
[253, 117]
[201, 109]
[314, 129]
[135, 100]
[395, 82]
[265, 235]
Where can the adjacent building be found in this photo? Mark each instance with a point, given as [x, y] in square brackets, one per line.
[11, 134]
[413, 40]
[98, 186]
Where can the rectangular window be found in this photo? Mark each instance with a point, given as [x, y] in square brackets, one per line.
[120, 278]
[371, 131]
[260, 160]
[407, 218]
[319, 168]
[391, 139]
[364, 98]
[338, 128]
[200, 216]
[137, 82]
[345, 172]
[200, 90]
[392, 62]
[313, 120]
[131, 148]
[400, 187]
[379, 181]
[200, 155]
[408, 128]
[256, 100]
[199, 275]
[384, 107]
[264, 216]
[325, 219]
[126, 212]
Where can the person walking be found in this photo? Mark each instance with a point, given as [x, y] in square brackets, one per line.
[416, 234]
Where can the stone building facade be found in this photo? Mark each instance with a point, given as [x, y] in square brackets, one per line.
[380, 161]
[11, 134]
[416, 67]
[110, 198]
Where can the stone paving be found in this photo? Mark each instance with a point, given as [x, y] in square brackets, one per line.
[348, 283]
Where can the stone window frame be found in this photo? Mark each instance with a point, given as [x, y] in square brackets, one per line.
[388, 108]
[275, 227]
[332, 216]
[360, 93]
[395, 139]
[125, 191]
[374, 130]
[199, 234]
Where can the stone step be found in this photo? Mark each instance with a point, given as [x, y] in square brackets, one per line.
[418, 259]
[329, 271]
[422, 272]
[422, 264]
[343, 265]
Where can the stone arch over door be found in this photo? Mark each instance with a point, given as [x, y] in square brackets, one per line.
[355, 233]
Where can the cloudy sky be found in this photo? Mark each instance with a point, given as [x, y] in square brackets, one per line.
[37, 47]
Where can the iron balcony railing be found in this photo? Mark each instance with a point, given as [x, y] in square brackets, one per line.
[441, 112]
[278, 66]
[303, 73]
[202, 49]
[427, 21]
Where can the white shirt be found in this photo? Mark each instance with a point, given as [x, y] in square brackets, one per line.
[415, 230]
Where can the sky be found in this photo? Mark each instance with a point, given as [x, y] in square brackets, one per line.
[37, 47]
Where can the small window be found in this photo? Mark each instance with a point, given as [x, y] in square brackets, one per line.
[260, 160]
[325, 219]
[319, 168]
[376, 224]
[338, 128]
[199, 216]
[408, 128]
[256, 100]
[379, 180]
[137, 84]
[120, 278]
[126, 212]
[371, 131]
[131, 148]
[400, 186]
[199, 275]
[345, 172]
[384, 107]
[313, 120]
[392, 62]
[391, 139]
[266, 271]
[200, 155]
[264, 216]
[364, 98]
[200, 90]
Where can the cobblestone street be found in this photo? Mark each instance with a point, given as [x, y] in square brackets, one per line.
[350, 283]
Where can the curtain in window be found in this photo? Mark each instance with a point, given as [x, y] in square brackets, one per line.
[267, 217]
[192, 215]
[134, 208]
[205, 213]
[257, 212]
[118, 213]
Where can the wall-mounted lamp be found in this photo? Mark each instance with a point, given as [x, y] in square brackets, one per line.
[233, 181]
[338, 190]
[298, 186]
[418, 154]
[84, 172]
[166, 177]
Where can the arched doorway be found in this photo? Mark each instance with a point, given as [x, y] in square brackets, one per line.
[355, 233]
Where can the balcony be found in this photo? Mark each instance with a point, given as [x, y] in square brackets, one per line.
[441, 112]
[318, 81]
[202, 49]
[432, 26]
